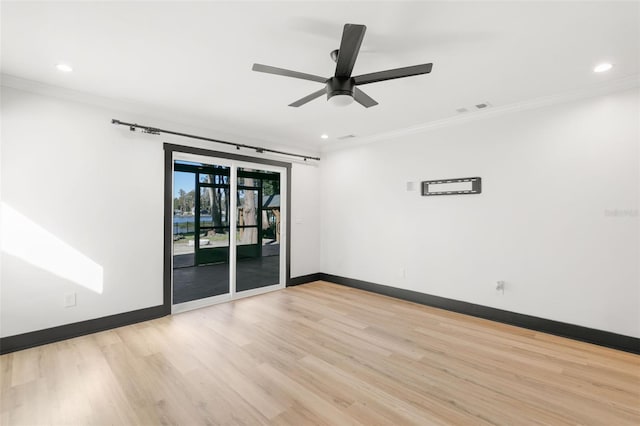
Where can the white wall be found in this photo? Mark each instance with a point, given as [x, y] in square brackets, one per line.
[557, 219]
[305, 219]
[95, 191]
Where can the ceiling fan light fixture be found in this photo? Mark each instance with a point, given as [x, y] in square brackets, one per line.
[341, 100]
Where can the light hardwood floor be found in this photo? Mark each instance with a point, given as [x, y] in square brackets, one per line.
[320, 354]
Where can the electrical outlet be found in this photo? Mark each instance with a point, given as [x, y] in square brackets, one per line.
[500, 286]
[69, 300]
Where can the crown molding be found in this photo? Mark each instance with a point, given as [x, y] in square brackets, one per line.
[150, 114]
[153, 112]
[117, 105]
[625, 83]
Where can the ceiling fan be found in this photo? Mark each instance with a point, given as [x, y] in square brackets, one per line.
[342, 88]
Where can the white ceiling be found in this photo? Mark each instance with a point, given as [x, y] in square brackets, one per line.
[195, 58]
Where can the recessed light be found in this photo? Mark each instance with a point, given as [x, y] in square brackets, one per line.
[324, 136]
[64, 67]
[603, 67]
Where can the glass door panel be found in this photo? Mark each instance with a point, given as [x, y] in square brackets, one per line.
[257, 236]
[206, 214]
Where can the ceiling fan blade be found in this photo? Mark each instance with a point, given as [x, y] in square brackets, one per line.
[391, 74]
[363, 99]
[352, 36]
[309, 98]
[287, 73]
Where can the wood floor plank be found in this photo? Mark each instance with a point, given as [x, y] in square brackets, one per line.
[320, 354]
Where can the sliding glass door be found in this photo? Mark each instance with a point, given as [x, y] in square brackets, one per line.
[201, 230]
[227, 230]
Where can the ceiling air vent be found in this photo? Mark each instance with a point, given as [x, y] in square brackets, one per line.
[341, 138]
[483, 105]
[462, 110]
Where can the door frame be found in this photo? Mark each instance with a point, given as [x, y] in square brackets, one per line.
[169, 150]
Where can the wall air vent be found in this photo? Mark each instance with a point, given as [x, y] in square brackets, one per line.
[341, 138]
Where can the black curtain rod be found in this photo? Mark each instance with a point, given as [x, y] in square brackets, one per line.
[157, 131]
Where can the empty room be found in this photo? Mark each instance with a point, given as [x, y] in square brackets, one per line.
[320, 213]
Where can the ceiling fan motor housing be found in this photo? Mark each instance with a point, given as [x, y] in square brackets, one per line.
[340, 86]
